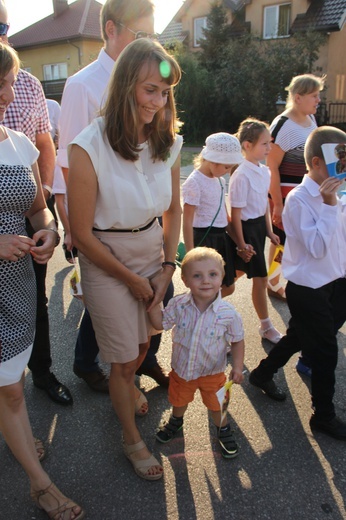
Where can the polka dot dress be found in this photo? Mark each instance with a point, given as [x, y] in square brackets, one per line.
[17, 279]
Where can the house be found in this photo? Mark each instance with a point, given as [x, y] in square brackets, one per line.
[272, 19]
[56, 47]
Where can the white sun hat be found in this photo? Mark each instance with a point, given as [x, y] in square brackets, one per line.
[222, 148]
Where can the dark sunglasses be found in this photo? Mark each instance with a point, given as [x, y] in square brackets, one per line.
[4, 27]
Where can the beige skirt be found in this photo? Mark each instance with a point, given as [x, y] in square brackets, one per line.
[119, 320]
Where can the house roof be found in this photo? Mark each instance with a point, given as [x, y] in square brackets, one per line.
[79, 19]
[322, 15]
[172, 33]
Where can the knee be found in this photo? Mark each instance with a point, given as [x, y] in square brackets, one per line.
[12, 396]
[125, 371]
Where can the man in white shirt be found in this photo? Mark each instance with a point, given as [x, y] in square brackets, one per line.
[122, 21]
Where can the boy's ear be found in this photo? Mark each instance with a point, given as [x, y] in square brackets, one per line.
[184, 280]
[317, 162]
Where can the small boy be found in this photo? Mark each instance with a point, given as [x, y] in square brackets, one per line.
[314, 263]
[203, 326]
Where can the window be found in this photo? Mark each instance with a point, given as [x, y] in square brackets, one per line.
[277, 21]
[55, 71]
[199, 25]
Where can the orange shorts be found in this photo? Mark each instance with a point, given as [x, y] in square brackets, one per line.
[181, 392]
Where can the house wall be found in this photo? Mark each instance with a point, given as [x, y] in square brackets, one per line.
[255, 11]
[61, 53]
[196, 9]
[336, 58]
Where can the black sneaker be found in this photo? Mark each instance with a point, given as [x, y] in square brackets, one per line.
[229, 447]
[334, 427]
[169, 429]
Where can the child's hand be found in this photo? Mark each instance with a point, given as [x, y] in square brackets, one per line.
[274, 239]
[246, 253]
[328, 190]
[236, 376]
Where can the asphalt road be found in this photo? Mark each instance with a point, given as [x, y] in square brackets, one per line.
[282, 471]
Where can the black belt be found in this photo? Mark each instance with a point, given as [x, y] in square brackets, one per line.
[134, 230]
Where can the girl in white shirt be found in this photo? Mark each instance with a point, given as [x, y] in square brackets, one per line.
[205, 216]
[248, 194]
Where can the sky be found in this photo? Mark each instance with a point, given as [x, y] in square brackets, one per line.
[23, 13]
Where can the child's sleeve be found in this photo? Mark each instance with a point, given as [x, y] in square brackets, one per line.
[315, 233]
[169, 314]
[235, 329]
[191, 192]
[238, 190]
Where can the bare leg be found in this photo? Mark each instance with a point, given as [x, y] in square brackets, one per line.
[16, 429]
[216, 416]
[121, 382]
[178, 411]
[259, 296]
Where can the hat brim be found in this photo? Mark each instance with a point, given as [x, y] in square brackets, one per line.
[222, 158]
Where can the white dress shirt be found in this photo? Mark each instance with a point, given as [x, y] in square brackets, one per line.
[84, 95]
[315, 248]
[248, 189]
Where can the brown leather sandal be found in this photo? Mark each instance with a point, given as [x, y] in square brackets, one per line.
[41, 450]
[65, 509]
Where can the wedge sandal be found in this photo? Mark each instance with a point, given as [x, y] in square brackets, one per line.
[142, 467]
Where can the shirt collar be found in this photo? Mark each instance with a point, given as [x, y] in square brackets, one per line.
[311, 185]
[106, 61]
[215, 305]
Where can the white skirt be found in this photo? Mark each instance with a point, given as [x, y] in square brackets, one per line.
[12, 370]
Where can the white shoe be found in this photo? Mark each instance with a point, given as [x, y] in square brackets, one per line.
[270, 334]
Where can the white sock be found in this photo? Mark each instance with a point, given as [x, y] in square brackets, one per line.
[266, 324]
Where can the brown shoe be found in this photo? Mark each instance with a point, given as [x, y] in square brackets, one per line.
[155, 373]
[97, 380]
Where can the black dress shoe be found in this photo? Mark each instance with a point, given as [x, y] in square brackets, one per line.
[56, 390]
[97, 380]
[334, 427]
[155, 373]
[268, 387]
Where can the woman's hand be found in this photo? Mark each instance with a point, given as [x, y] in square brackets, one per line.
[159, 284]
[41, 254]
[141, 289]
[14, 247]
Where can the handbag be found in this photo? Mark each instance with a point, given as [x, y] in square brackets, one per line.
[181, 250]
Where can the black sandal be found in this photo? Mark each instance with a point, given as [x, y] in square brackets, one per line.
[229, 447]
[169, 429]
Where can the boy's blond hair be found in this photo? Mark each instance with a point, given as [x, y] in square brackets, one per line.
[321, 135]
[202, 253]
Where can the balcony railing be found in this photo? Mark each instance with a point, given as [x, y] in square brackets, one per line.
[53, 89]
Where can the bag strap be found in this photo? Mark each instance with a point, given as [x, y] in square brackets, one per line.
[278, 127]
[212, 222]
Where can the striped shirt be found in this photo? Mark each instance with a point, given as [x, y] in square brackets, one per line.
[291, 139]
[200, 340]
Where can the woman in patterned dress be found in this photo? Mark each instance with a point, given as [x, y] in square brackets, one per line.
[21, 196]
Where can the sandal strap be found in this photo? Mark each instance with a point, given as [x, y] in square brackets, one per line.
[132, 448]
[172, 426]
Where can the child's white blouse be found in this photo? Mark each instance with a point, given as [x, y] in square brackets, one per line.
[205, 193]
[248, 189]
